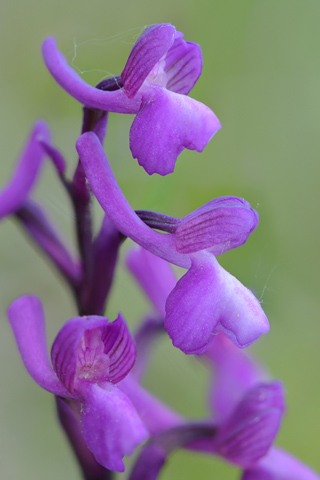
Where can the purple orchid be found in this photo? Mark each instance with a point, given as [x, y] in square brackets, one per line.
[161, 70]
[243, 438]
[207, 299]
[89, 357]
[236, 375]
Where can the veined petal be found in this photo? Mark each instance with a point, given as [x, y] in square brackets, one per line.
[207, 300]
[110, 424]
[154, 275]
[167, 124]
[107, 354]
[104, 185]
[69, 80]
[120, 348]
[26, 317]
[183, 65]
[218, 226]
[150, 47]
[64, 351]
[250, 431]
[13, 196]
[279, 465]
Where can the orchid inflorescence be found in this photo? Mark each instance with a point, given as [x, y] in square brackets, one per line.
[97, 366]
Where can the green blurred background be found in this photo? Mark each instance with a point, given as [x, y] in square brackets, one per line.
[261, 76]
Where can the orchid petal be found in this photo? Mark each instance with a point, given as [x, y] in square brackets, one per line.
[110, 425]
[218, 226]
[115, 205]
[279, 465]
[207, 300]
[250, 431]
[69, 80]
[150, 47]
[13, 196]
[166, 124]
[118, 346]
[183, 65]
[26, 317]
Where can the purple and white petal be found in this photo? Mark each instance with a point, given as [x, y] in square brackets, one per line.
[279, 465]
[218, 226]
[69, 80]
[13, 196]
[167, 124]
[208, 300]
[110, 424]
[150, 47]
[26, 317]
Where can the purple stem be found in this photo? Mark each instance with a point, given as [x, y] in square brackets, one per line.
[105, 252]
[95, 121]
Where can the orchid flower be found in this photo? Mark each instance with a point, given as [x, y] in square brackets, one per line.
[235, 374]
[160, 71]
[90, 356]
[207, 299]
